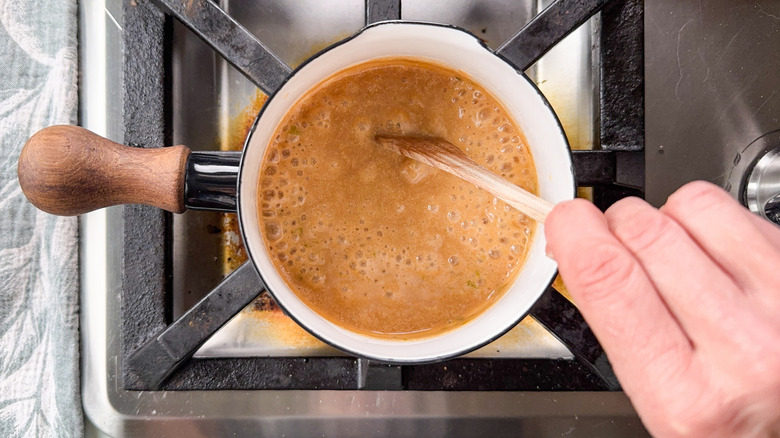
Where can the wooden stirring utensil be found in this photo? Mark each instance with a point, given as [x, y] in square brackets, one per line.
[444, 155]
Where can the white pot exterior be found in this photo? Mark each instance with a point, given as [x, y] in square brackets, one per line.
[461, 51]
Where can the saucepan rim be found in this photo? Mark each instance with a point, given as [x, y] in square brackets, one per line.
[381, 349]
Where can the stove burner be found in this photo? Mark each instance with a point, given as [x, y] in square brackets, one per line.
[762, 191]
[754, 178]
[156, 354]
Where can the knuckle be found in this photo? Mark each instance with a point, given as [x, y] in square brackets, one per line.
[761, 351]
[696, 196]
[641, 227]
[689, 412]
[605, 269]
[562, 216]
[670, 364]
[701, 412]
[695, 420]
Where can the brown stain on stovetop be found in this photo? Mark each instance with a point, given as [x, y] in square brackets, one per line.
[233, 250]
[274, 328]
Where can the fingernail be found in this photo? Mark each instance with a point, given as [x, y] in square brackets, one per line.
[548, 253]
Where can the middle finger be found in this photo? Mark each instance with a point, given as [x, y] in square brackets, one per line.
[703, 298]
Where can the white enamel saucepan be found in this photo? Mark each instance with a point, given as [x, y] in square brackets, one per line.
[65, 170]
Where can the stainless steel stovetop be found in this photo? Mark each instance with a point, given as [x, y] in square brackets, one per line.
[711, 106]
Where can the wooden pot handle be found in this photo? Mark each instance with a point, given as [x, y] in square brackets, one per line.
[68, 170]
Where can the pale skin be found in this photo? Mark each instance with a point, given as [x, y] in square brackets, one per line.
[685, 300]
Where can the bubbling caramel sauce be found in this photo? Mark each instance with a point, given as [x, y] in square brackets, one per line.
[378, 243]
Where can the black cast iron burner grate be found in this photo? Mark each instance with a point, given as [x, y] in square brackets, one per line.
[157, 354]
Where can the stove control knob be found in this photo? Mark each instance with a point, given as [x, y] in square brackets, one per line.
[762, 191]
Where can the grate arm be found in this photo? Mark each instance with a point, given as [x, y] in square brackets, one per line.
[235, 43]
[163, 354]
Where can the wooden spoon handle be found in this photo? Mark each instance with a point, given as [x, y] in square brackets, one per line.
[68, 170]
[529, 204]
[443, 155]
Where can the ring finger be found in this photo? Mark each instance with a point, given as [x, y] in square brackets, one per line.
[705, 300]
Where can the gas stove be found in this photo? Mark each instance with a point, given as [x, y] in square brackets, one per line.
[628, 84]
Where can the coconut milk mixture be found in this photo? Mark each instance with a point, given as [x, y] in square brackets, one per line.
[376, 242]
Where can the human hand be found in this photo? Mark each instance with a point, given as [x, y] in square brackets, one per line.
[686, 302]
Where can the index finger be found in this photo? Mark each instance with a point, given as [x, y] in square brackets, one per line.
[641, 336]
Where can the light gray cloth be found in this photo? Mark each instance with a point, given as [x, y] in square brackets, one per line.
[39, 344]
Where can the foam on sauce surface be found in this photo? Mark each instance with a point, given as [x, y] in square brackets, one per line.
[376, 242]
